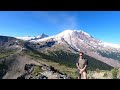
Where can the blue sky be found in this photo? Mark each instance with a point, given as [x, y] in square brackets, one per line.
[102, 25]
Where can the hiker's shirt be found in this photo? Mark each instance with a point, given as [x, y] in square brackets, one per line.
[82, 63]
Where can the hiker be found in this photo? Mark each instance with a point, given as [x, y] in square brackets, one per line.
[82, 66]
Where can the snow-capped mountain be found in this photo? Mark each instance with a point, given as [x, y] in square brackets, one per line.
[28, 38]
[40, 36]
[78, 40]
[84, 37]
[75, 38]
[106, 44]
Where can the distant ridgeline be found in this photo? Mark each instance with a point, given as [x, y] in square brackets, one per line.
[113, 55]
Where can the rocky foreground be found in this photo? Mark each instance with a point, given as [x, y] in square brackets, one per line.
[42, 72]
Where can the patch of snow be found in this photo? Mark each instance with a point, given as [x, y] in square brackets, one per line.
[25, 38]
[106, 44]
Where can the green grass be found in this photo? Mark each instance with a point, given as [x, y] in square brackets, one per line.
[115, 72]
[2, 55]
[105, 75]
[5, 53]
[36, 70]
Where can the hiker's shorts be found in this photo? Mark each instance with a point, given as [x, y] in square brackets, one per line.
[78, 71]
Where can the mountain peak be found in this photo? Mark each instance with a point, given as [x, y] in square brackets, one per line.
[70, 32]
[41, 36]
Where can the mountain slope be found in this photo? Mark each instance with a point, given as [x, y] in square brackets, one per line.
[74, 40]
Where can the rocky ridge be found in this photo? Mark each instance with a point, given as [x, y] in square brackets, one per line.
[42, 72]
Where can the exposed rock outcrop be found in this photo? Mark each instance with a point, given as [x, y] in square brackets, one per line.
[42, 72]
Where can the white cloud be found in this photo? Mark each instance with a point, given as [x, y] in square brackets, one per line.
[59, 18]
[71, 22]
